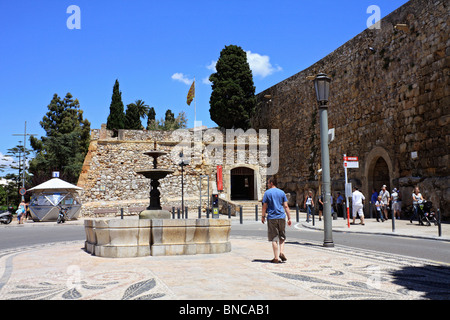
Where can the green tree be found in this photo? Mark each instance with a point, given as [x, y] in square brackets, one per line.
[170, 122]
[116, 118]
[232, 101]
[151, 119]
[135, 111]
[66, 142]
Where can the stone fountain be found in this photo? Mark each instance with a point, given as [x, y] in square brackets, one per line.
[155, 233]
[154, 210]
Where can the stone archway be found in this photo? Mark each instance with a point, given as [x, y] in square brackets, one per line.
[378, 170]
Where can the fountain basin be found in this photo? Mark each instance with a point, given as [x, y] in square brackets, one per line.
[155, 174]
[124, 238]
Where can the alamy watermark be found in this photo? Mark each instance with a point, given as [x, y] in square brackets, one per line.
[374, 21]
[74, 20]
[235, 147]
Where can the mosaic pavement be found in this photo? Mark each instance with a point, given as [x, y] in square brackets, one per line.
[66, 272]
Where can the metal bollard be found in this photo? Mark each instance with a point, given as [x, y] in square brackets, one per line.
[199, 212]
[393, 220]
[297, 212]
[256, 212]
[240, 215]
[207, 213]
[173, 212]
[178, 213]
[313, 211]
[229, 212]
[186, 209]
[121, 213]
[439, 223]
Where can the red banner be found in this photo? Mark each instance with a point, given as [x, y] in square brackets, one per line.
[219, 179]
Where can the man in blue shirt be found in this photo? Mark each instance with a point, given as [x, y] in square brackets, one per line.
[275, 207]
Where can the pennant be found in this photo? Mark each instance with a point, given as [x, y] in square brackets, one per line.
[191, 94]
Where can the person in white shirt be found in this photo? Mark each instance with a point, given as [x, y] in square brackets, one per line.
[385, 197]
[357, 205]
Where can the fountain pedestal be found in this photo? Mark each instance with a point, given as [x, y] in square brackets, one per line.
[154, 210]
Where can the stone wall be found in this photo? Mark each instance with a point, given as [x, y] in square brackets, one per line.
[110, 181]
[389, 105]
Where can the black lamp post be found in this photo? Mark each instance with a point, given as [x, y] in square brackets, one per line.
[183, 163]
[322, 86]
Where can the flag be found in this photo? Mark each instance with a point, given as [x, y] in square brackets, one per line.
[191, 94]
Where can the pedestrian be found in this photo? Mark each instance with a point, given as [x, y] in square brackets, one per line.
[308, 204]
[21, 212]
[395, 200]
[373, 199]
[275, 207]
[357, 205]
[379, 208]
[320, 201]
[340, 204]
[385, 197]
[416, 197]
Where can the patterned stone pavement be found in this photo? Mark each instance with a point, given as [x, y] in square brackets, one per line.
[64, 271]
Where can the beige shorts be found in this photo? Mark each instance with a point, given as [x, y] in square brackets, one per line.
[276, 229]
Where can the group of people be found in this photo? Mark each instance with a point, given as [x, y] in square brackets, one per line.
[22, 212]
[275, 210]
[308, 204]
[382, 202]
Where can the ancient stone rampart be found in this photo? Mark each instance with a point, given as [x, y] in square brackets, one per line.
[389, 105]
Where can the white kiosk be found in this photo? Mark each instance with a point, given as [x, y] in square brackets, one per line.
[49, 196]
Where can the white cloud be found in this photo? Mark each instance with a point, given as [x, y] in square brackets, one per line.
[182, 78]
[212, 66]
[261, 65]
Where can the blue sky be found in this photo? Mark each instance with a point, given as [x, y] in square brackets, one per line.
[155, 49]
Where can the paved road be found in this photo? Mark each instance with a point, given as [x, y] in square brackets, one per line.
[22, 236]
[418, 248]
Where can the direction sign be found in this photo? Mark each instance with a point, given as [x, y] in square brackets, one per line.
[351, 164]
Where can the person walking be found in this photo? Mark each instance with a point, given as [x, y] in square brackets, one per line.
[395, 200]
[21, 211]
[357, 205]
[308, 204]
[385, 197]
[416, 197]
[373, 200]
[340, 205]
[275, 208]
[320, 201]
[379, 207]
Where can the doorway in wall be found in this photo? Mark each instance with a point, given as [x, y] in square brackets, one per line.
[242, 183]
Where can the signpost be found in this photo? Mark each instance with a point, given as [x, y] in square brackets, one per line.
[352, 163]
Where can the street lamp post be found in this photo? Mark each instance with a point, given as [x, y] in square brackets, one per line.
[183, 162]
[322, 87]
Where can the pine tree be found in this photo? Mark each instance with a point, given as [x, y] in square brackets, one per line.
[116, 118]
[66, 142]
[232, 100]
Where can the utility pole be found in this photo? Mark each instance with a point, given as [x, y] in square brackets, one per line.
[25, 134]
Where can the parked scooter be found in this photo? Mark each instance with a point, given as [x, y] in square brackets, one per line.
[62, 216]
[6, 216]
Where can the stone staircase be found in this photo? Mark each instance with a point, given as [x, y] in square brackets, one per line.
[248, 209]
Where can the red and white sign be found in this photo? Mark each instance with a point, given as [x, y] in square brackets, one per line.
[350, 158]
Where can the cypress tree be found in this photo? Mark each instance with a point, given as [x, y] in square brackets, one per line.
[116, 118]
[232, 101]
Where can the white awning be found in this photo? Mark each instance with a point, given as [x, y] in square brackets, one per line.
[55, 184]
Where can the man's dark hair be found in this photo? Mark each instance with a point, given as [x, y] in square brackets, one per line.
[273, 180]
